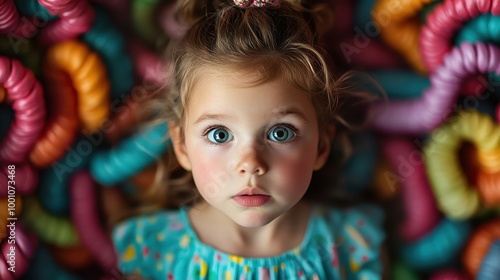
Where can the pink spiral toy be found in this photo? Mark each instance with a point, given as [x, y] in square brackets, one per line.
[172, 26]
[86, 219]
[75, 18]
[11, 23]
[432, 109]
[25, 246]
[373, 55]
[449, 274]
[26, 180]
[436, 37]
[25, 95]
[421, 213]
[148, 65]
[442, 23]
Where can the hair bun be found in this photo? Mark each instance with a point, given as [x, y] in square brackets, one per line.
[320, 12]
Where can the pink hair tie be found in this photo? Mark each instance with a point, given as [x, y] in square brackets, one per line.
[75, 18]
[436, 103]
[25, 95]
[421, 213]
[257, 3]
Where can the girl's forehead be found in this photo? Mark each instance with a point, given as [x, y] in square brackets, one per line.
[239, 92]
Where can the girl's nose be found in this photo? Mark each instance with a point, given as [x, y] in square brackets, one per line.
[252, 163]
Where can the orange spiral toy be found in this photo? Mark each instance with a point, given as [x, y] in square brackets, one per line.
[488, 176]
[478, 244]
[400, 27]
[61, 128]
[2, 94]
[89, 78]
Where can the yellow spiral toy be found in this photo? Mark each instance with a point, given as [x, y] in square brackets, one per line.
[89, 77]
[400, 26]
[455, 197]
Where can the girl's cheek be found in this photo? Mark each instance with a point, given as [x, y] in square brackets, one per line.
[210, 175]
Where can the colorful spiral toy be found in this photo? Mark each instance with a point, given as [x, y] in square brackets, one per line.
[421, 213]
[448, 274]
[478, 245]
[130, 156]
[438, 248]
[25, 95]
[84, 215]
[455, 197]
[401, 84]
[49, 228]
[144, 21]
[490, 268]
[436, 104]
[26, 179]
[25, 246]
[444, 21]
[172, 26]
[89, 78]
[75, 18]
[61, 128]
[400, 27]
[53, 189]
[11, 22]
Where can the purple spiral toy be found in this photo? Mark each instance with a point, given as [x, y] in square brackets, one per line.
[432, 109]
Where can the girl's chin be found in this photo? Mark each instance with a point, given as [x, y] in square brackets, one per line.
[253, 219]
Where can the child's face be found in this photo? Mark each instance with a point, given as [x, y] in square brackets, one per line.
[242, 138]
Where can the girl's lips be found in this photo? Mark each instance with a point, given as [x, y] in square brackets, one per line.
[251, 200]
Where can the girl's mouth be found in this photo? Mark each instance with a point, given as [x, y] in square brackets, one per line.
[253, 200]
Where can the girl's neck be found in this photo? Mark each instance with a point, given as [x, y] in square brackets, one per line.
[279, 236]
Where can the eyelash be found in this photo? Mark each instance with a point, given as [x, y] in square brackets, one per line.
[207, 130]
[290, 126]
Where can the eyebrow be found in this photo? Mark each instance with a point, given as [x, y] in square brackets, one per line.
[289, 111]
[206, 117]
[280, 113]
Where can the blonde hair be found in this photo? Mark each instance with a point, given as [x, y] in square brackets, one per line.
[275, 42]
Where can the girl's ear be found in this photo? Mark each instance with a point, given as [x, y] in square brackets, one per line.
[179, 146]
[324, 146]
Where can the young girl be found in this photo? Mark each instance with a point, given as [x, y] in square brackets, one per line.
[252, 109]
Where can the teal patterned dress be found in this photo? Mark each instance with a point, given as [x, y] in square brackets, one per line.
[338, 244]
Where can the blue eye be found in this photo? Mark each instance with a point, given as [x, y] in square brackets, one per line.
[281, 134]
[219, 135]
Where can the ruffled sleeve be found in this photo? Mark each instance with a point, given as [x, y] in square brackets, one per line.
[359, 238]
